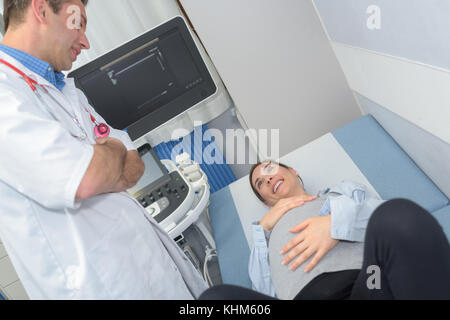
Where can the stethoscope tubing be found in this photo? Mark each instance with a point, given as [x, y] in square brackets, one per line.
[61, 106]
[101, 130]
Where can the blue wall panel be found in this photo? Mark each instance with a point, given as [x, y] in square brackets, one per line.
[211, 161]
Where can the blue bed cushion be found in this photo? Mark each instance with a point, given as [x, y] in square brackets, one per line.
[443, 217]
[231, 244]
[387, 167]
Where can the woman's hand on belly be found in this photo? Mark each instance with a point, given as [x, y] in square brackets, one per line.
[314, 239]
[280, 208]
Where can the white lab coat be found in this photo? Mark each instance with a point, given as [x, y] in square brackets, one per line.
[105, 247]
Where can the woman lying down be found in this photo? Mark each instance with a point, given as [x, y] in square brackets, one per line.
[324, 246]
[321, 257]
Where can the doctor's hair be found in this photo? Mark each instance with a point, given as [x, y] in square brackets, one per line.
[253, 169]
[14, 10]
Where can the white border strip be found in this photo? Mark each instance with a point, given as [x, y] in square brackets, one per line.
[415, 91]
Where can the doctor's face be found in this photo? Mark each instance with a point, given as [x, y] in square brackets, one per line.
[67, 34]
[274, 182]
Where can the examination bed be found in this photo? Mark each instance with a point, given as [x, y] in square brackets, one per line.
[361, 151]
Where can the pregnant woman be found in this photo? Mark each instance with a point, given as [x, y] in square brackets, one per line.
[349, 244]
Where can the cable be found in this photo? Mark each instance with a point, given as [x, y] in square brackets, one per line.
[207, 213]
[209, 254]
[207, 271]
[1, 296]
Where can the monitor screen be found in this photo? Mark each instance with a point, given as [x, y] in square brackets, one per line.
[148, 80]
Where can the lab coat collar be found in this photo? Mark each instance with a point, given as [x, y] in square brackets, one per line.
[69, 89]
[28, 72]
[67, 96]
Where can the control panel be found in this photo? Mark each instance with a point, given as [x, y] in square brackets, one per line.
[175, 196]
[161, 200]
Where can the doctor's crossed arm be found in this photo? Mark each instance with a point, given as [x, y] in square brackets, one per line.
[132, 167]
[132, 171]
[112, 169]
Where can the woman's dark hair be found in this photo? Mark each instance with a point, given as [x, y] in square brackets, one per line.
[13, 10]
[251, 174]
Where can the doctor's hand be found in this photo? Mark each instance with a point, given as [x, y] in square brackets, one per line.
[108, 140]
[133, 166]
[115, 145]
[280, 208]
[314, 239]
[132, 171]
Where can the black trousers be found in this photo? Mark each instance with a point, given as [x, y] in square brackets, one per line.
[406, 256]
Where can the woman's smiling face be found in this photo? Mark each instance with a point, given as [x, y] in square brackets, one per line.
[274, 182]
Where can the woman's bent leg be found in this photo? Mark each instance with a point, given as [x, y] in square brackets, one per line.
[406, 255]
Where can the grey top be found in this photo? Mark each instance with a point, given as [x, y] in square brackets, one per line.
[344, 256]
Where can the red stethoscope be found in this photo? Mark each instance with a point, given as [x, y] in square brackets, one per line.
[101, 130]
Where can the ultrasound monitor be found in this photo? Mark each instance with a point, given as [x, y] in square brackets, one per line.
[148, 80]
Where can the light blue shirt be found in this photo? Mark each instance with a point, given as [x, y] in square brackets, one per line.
[258, 267]
[351, 204]
[42, 68]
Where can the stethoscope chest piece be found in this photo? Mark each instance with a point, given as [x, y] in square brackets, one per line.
[101, 130]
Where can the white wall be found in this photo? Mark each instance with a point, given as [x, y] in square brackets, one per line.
[277, 64]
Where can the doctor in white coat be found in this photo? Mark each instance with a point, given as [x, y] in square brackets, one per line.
[69, 227]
